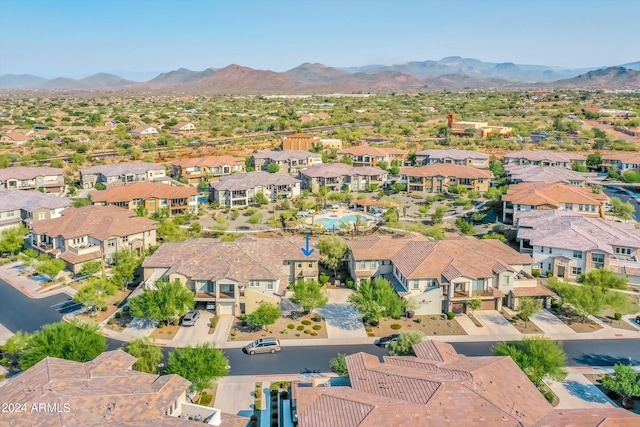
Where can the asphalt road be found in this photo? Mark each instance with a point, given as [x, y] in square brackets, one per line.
[616, 191]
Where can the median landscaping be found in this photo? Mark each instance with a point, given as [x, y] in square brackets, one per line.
[431, 325]
[309, 326]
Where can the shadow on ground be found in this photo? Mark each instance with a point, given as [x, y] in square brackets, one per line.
[586, 392]
[341, 316]
[593, 359]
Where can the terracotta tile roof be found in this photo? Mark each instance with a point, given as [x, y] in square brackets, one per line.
[210, 161]
[100, 222]
[593, 417]
[544, 193]
[533, 173]
[24, 172]
[453, 154]
[286, 155]
[380, 247]
[144, 191]
[364, 150]
[542, 155]
[334, 170]
[446, 170]
[17, 137]
[631, 158]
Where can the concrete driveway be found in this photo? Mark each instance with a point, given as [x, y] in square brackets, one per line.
[196, 334]
[578, 392]
[494, 323]
[235, 395]
[550, 324]
[341, 319]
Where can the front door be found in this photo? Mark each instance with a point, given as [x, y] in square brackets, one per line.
[561, 269]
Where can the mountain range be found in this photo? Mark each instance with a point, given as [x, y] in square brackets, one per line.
[451, 73]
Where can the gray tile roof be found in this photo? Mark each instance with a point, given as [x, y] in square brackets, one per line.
[29, 201]
[541, 155]
[122, 169]
[453, 153]
[245, 181]
[533, 173]
[334, 170]
[286, 155]
[28, 172]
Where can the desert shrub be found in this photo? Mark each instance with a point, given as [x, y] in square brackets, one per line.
[317, 327]
[117, 315]
[418, 320]
[451, 315]
[111, 321]
[306, 322]
[317, 318]
[291, 326]
[314, 334]
[535, 272]
[617, 316]
[300, 328]
[307, 331]
[395, 326]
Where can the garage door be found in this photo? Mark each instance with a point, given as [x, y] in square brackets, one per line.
[225, 309]
[457, 307]
[488, 305]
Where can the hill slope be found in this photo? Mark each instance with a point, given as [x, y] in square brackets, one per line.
[605, 78]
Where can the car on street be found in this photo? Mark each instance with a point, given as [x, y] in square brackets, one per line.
[190, 318]
[385, 341]
[211, 305]
[638, 320]
[262, 345]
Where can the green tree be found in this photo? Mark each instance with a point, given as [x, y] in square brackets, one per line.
[495, 236]
[79, 202]
[321, 196]
[473, 304]
[621, 210]
[539, 358]
[346, 160]
[391, 216]
[376, 298]
[438, 214]
[612, 172]
[493, 194]
[465, 227]
[404, 345]
[605, 280]
[333, 251]
[594, 161]
[309, 294]
[124, 264]
[12, 239]
[383, 165]
[5, 161]
[528, 307]
[14, 346]
[201, 365]
[79, 342]
[499, 173]
[579, 167]
[264, 316]
[273, 168]
[50, 267]
[148, 355]
[203, 186]
[95, 292]
[90, 268]
[630, 177]
[339, 365]
[168, 301]
[397, 187]
[260, 199]
[625, 381]
[588, 300]
[255, 219]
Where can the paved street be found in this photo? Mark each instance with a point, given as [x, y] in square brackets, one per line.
[613, 190]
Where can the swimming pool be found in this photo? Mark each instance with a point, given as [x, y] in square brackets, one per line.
[334, 223]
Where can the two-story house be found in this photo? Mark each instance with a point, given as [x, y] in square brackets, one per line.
[338, 176]
[366, 155]
[51, 180]
[288, 161]
[241, 189]
[622, 162]
[453, 156]
[26, 207]
[438, 177]
[92, 232]
[530, 173]
[209, 168]
[544, 158]
[182, 127]
[150, 197]
[441, 276]
[144, 131]
[121, 174]
[545, 196]
[299, 141]
[239, 275]
[568, 245]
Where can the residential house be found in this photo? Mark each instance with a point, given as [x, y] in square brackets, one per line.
[568, 245]
[121, 174]
[330, 143]
[544, 158]
[151, 197]
[530, 173]
[15, 138]
[26, 207]
[299, 142]
[241, 189]
[478, 129]
[474, 159]
[144, 131]
[622, 162]
[438, 387]
[209, 168]
[182, 127]
[338, 176]
[438, 177]
[112, 123]
[92, 232]
[442, 276]
[289, 161]
[544, 195]
[238, 275]
[105, 391]
[51, 180]
[366, 155]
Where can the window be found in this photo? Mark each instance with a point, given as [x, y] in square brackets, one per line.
[416, 284]
[111, 243]
[363, 265]
[568, 206]
[10, 214]
[623, 251]
[41, 216]
[211, 286]
[506, 280]
[152, 202]
[310, 265]
[577, 254]
[550, 250]
[299, 265]
[270, 285]
[254, 283]
[125, 238]
[576, 271]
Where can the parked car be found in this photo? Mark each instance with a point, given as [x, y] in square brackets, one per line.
[190, 318]
[263, 345]
[385, 341]
[638, 320]
[211, 305]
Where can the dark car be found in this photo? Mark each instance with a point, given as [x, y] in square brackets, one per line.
[638, 320]
[385, 341]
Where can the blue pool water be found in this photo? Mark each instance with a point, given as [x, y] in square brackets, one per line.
[334, 223]
[203, 199]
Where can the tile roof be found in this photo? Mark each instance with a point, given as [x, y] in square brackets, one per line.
[446, 170]
[567, 230]
[541, 155]
[459, 390]
[244, 259]
[286, 155]
[209, 161]
[454, 154]
[245, 181]
[17, 137]
[363, 150]
[121, 169]
[31, 200]
[24, 172]
[144, 191]
[544, 193]
[334, 170]
[533, 173]
[100, 222]
[631, 158]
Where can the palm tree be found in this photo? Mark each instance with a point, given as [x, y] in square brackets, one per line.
[321, 196]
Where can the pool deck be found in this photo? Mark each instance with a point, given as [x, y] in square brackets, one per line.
[337, 214]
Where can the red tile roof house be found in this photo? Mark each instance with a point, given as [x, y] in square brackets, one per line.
[15, 138]
[209, 168]
[103, 392]
[144, 131]
[182, 127]
[439, 387]
[154, 197]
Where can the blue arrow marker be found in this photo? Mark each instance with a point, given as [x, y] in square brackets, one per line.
[306, 251]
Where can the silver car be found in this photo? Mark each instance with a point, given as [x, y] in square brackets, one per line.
[263, 345]
[190, 318]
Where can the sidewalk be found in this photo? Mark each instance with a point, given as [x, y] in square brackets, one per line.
[30, 286]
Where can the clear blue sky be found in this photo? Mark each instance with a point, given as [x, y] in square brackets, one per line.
[77, 38]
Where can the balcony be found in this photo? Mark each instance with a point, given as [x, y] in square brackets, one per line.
[84, 249]
[624, 261]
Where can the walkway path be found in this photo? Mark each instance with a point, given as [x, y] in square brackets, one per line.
[342, 321]
[494, 323]
[550, 324]
[139, 328]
